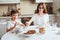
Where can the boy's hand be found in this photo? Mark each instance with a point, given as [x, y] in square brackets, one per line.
[16, 23]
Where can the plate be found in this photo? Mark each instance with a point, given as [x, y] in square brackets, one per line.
[28, 34]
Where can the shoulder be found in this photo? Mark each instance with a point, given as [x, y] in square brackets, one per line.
[9, 21]
[35, 15]
[19, 20]
[46, 15]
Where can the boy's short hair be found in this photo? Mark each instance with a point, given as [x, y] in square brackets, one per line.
[14, 11]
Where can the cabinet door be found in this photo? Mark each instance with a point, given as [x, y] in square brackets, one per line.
[38, 1]
[9, 1]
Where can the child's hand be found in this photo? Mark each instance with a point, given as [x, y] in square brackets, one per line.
[27, 23]
[16, 24]
[23, 25]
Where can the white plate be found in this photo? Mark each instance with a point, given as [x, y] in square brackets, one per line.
[28, 34]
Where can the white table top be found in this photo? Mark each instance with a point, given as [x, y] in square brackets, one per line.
[9, 36]
[49, 35]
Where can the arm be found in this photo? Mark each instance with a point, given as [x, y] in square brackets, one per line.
[20, 23]
[28, 23]
[11, 28]
[31, 20]
[47, 20]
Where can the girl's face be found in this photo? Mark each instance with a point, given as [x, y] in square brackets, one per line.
[41, 8]
[15, 16]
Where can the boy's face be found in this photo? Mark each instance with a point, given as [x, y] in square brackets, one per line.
[15, 16]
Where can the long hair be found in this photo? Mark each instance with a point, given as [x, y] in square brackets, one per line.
[37, 10]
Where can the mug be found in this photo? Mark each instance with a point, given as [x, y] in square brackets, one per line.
[42, 30]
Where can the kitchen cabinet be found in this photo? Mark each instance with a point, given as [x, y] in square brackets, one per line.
[46, 1]
[9, 1]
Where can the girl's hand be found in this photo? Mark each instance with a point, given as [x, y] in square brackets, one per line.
[23, 25]
[27, 23]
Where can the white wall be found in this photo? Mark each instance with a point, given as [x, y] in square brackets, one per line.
[47, 1]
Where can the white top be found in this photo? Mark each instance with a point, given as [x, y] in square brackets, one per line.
[11, 23]
[40, 20]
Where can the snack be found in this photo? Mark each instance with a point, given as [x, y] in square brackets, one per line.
[31, 32]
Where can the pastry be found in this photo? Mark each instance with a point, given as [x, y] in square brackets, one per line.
[30, 32]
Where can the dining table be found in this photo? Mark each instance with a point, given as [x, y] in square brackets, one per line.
[50, 34]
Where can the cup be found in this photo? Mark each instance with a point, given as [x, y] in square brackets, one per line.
[42, 30]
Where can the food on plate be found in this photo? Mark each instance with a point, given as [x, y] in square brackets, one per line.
[30, 32]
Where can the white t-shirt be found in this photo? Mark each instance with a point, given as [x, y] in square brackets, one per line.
[12, 23]
[40, 20]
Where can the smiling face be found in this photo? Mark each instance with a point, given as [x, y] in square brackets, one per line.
[41, 8]
[14, 16]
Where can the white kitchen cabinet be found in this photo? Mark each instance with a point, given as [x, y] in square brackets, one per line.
[9, 1]
[46, 1]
